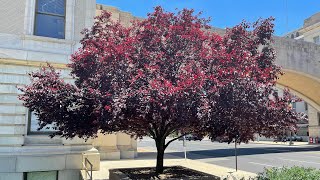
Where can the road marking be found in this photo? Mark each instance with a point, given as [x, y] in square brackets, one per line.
[280, 150]
[210, 160]
[263, 164]
[299, 161]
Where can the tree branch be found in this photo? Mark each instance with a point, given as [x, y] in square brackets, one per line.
[173, 140]
[153, 135]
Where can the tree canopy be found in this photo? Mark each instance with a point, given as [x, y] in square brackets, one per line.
[168, 73]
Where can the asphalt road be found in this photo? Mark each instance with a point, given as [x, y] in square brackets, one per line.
[251, 157]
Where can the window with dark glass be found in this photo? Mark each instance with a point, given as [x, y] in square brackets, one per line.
[50, 18]
[43, 175]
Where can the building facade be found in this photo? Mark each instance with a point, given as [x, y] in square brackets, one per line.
[33, 32]
[310, 31]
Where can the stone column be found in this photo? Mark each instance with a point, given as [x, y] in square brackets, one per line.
[314, 124]
[134, 146]
[124, 143]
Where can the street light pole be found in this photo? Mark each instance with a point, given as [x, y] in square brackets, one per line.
[235, 153]
[290, 143]
[184, 147]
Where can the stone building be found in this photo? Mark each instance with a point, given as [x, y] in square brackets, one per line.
[305, 60]
[310, 31]
[33, 32]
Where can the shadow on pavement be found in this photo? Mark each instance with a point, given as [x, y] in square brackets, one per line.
[219, 153]
[153, 155]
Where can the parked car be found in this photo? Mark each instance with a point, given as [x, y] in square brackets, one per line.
[280, 139]
[221, 139]
[294, 138]
[191, 137]
[299, 138]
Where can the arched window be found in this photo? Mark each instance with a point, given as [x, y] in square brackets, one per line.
[50, 18]
[292, 36]
[297, 34]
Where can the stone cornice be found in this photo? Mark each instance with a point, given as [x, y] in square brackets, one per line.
[32, 63]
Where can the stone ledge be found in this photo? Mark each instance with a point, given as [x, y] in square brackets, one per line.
[11, 176]
[114, 155]
[33, 63]
[127, 154]
[52, 160]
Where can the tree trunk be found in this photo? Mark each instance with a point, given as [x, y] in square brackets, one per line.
[160, 155]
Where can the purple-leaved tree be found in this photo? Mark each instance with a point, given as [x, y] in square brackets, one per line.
[162, 75]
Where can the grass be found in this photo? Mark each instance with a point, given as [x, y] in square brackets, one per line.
[292, 173]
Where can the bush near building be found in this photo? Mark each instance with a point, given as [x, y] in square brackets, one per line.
[292, 173]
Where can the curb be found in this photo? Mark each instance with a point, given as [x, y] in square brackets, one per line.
[281, 143]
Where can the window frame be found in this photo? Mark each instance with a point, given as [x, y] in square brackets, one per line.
[305, 106]
[25, 174]
[36, 12]
[29, 132]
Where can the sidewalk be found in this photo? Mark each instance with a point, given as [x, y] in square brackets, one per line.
[147, 158]
[295, 143]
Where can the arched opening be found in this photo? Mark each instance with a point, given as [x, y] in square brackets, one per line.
[307, 88]
[304, 85]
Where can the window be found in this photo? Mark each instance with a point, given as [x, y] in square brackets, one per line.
[33, 125]
[50, 18]
[44, 175]
[318, 117]
[305, 106]
[316, 40]
[294, 105]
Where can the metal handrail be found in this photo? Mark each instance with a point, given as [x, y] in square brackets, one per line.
[87, 170]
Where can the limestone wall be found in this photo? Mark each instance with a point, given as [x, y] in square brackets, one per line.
[312, 20]
[302, 59]
[298, 55]
[21, 53]
[12, 16]
[312, 32]
[123, 17]
[84, 13]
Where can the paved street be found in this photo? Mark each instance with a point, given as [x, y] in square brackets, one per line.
[251, 157]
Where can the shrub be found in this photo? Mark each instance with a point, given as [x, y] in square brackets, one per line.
[293, 173]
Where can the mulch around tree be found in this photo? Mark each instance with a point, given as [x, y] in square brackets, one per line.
[174, 172]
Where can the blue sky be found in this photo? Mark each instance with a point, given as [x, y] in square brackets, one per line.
[227, 13]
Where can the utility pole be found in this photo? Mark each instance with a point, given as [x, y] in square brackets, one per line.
[235, 153]
[185, 147]
[287, 19]
[290, 143]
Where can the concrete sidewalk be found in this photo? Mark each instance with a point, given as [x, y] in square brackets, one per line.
[147, 158]
[295, 143]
